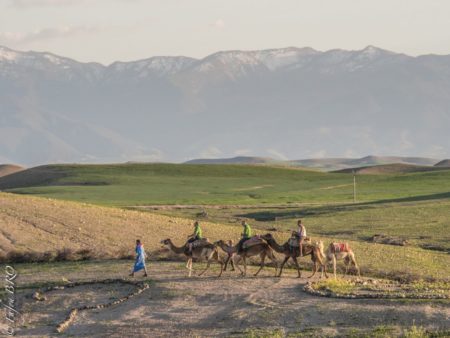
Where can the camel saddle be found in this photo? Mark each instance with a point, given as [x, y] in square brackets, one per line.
[255, 240]
[341, 247]
[200, 242]
[295, 242]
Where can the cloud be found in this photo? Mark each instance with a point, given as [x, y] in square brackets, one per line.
[210, 152]
[44, 34]
[154, 155]
[437, 151]
[350, 153]
[21, 4]
[275, 153]
[219, 23]
[405, 143]
[319, 154]
[242, 152]
[324, 131]
[41, 3]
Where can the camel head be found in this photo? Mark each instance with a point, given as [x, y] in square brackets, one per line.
[166, 241]
[319, 245]
[220, 242]
[267, 237]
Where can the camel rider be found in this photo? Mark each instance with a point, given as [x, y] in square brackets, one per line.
[195, 236]
[300, 234]
[246, 234]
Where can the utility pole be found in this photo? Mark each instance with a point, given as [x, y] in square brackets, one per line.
[354, 186]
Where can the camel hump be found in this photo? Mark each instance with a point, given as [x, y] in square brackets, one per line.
[255, 240]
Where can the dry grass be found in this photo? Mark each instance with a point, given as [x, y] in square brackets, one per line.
[41, 229]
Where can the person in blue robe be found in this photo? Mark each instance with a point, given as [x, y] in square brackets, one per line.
[139, 264]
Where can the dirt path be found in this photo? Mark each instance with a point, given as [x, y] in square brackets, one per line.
[175, 306]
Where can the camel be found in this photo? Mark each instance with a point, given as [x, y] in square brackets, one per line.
[230, 257]
[208, 251]
[337, 251]
[294, 253]
[262, 249]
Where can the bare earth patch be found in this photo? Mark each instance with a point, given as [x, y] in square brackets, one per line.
[176, 306]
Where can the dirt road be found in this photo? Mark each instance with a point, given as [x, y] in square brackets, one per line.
[176, 306]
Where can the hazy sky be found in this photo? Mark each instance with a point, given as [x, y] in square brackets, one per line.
[108, 30]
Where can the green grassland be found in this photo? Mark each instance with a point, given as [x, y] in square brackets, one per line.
[422, 223]
[413, 206]
[140, 184]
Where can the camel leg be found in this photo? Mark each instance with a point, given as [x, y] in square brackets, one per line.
[356, 266]
[327, 263]
[282, 265]
[317, 261]
[226, 263]
[207, 267]
[316, 267]
[298, 267]
[221, 266]
[189, 266]
[245, 265]
[274, 261]
[232, 263]
[263, 258]
[334, 266]
[237, 265]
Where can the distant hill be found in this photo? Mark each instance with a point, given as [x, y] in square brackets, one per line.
[37, 176]
[396, 168]
[7, 169]
[234, 160]
[333, 164]
[443, 163]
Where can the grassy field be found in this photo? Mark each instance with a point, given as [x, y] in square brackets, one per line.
[422, 223]
[412, 206]
[41, 224]
[140, 184]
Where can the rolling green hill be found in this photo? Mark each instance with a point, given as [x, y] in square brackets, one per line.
[139, 184]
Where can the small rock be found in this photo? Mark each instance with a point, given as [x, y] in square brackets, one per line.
[37, 296]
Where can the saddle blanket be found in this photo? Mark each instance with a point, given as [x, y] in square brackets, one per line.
[341, 247]
[294, 241]
[199, 242]
[252, 241]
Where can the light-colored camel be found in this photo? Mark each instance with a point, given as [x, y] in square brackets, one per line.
[207, 250]
[294, 253]
[262, 249]
[337, 251]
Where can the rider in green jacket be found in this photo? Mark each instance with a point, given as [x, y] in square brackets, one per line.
[246, 234]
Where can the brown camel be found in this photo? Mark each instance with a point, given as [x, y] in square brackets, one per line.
[207, 250]
[337, 251]
[262, 249]
[294, 253]
[230, 257]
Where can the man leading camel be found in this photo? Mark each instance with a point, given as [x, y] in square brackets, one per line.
[139, 264]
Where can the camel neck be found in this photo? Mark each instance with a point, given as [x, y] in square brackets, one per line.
[176, 249]
[273, 243]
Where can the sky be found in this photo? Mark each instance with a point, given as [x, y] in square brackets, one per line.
[110, 30]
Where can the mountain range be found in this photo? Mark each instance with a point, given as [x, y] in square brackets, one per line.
[281, 103]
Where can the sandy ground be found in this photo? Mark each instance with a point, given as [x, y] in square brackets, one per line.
[176, 306]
